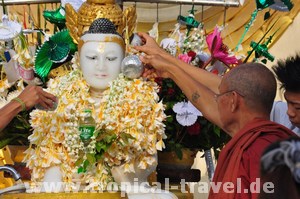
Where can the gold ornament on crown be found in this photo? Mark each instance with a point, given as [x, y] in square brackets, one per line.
[79, 22]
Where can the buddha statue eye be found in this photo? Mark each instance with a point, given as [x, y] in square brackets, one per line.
[91, 57]
[111, 58]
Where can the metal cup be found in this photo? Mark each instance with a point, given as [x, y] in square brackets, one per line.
[132, 67]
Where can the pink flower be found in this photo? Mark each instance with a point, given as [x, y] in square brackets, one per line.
[185, 58]
[218, 50]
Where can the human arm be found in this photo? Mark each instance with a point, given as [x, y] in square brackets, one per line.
[202, 76]
[201, 96]
[30, 96]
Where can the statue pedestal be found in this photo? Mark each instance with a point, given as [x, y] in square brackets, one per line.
[104, 195]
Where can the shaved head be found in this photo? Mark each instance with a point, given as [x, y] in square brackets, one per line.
[256, 83]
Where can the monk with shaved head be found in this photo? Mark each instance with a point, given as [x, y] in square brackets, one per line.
[253, 88]
[240, 103]
[258, 90]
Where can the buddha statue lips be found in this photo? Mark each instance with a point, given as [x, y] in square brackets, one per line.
[101, 76]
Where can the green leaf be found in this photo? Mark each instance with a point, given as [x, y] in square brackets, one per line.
[101, 146]
[98, 156]
[125, 137]
[96, 133]
[23, 41]
[5, 142]
[19, 127]
[80, 170]
[86, 163]
[170, 85]
[99, 132]
[91, 158]
[217, 130]
[79, 162]
[110, 138]
[179, 153]
[169, 119]
[177, 148]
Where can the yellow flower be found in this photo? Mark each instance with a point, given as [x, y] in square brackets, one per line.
[4, 85]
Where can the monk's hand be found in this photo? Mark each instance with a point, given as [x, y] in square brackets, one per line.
[149, 47]
[149, 72]
[156, 66]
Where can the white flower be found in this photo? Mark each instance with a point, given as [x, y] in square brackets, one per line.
[160, 145]
[186, 113]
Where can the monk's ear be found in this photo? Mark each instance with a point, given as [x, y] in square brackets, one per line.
[234, 102]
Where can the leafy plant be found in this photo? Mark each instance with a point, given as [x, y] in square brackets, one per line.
[17, 131]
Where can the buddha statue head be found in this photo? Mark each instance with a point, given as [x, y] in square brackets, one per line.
[101, 51]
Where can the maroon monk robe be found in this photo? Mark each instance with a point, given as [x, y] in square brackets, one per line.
[240, 158]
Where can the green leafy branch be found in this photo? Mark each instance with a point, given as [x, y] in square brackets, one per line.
[104, 140]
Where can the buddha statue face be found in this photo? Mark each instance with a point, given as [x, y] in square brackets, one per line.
[101, 55]
[100, 63]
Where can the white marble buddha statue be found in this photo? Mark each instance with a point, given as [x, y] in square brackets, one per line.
[119, 105]
[100, 61]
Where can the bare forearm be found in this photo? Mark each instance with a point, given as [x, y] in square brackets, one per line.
[201, 96]
[202, 76]
[8, 112]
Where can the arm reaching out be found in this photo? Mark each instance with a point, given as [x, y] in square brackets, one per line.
[202, 76]
[200, 95]
[29, 97]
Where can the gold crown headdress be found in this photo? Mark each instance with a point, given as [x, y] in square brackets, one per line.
[79, 22]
